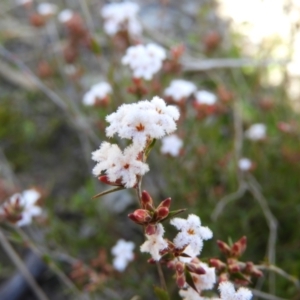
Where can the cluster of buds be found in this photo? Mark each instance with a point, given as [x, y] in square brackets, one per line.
[233, 269]
[137, 88]
[173, 65]
[93, 276]
[148, 215]
[78, 35]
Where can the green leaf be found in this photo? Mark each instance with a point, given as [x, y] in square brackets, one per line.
[95, 46]
[189, 279]
[160, 293]
[149, 148]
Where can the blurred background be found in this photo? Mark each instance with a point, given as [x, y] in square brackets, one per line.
[246, 53]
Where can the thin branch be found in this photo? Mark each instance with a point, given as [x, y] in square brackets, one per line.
[61, 275]
[272, 224]
[227, 199]
[194, 65]
[10, 251]
[267, 296]
[280, 272]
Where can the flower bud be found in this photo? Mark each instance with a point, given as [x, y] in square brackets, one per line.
[180, 280]
[105, 180]
[147, 201]
[150, 229]
[141, 216]
[239, 247]
[162, 212]
[234, 268]
[224, 248]
[194, 268]
[179, 266]
[165, 203]
[218, 264]
[252, 270]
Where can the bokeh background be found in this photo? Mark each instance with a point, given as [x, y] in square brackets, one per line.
[245, 53]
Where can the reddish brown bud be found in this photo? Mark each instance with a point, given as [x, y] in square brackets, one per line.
[37, 20]
[141, 216]
[147, 201]
[162, 212]
[165, 203]
[234, 268]
[218, 264]
[179, 267]
[171, 265]
[239, 247]
[212, 40]
[150, 229]
[180, 280]
[252, 270]
[195, 268]
[224, 248]
[105, 180]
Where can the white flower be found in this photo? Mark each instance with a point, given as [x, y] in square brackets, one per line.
[144, 61]
[155, 243]
[27, 201]
[124, 166]
[96, 93]
[192, 233]
[245, 164]
[256, 132]
[143, 121]
[121, 16]
[171, 145]
[190, 294]
[123, 254]
[65, 15]
[228, 292]
[46, 9]
[205, 97]
[180, 89]
[205, 281]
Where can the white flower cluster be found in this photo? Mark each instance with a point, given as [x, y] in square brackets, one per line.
[180, 89]
[27, 201]
[191, 233]
[97, 92]
[143, 121]
[191, 236]
[256, 132]
[121, 16]
[123, 254]
[140, 122]
[228, 292]
[119, 165]
[171, 145]
[205, 97]
[144, 61]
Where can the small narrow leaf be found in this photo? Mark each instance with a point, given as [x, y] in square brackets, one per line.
[160, 293]
[108, 192]
[174, 213]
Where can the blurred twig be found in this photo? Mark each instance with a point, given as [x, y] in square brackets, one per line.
[190, 64]
[267, 296]
[21, 267]
[64, 279]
